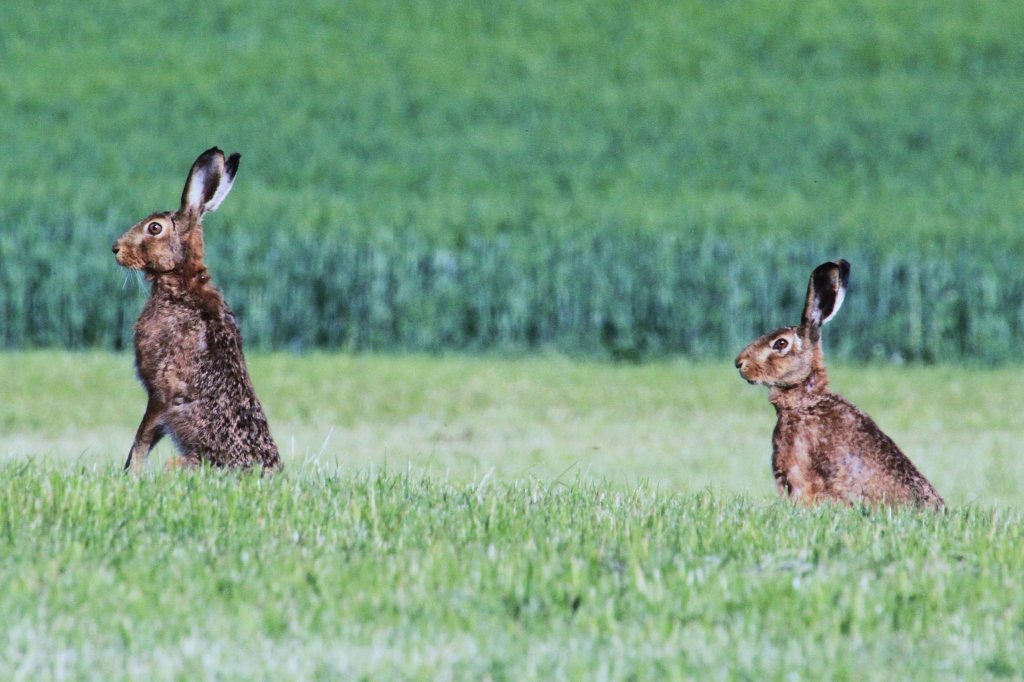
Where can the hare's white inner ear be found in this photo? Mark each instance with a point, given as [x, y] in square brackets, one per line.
[815, 317]
[222, 191]
[195, 195]
[840, 295]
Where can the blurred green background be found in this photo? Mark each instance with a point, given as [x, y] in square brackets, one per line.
[610, 179]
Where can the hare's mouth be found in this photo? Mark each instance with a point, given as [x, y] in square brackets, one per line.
[130, 261]
[753, 381]
[126, 261]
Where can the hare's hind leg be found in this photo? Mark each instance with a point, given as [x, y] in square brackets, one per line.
[149, 434]
[187, 462]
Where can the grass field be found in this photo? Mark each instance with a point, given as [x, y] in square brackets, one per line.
[475, 518]
[313, 575]
[675, 424]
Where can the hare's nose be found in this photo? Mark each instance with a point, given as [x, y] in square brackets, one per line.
[115, 248]
[739, 363]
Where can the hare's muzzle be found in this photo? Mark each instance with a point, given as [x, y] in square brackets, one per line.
[741, 364]
[122, 254]
[118, 256]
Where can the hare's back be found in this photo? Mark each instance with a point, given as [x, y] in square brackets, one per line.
[225, 422]
[864, 463]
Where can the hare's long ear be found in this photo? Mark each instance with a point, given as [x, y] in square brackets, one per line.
[209, 181]
[825, 293]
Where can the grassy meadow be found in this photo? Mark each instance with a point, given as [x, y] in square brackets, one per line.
[393, 575]
[505, 519]
[685, 426]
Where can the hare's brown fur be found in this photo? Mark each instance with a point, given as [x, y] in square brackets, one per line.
[823, 447]
[188, 348]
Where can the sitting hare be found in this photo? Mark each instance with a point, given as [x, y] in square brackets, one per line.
[188, 349]
[823, 447]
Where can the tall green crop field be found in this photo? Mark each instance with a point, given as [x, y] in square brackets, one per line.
[612, 178]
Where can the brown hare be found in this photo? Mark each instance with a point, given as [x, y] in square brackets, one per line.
[188, 348]
[824, 448]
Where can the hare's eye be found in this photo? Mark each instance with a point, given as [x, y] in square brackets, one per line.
[154, 228]
[780, 344]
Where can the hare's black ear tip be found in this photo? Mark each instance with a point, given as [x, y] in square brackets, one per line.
[844, 270]
[829, 267]
[231, 165]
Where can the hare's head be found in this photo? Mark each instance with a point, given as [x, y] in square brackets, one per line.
[172, 241]
[790, 356]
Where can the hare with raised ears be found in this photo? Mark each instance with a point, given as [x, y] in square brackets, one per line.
[824, 448]
[188, 349]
